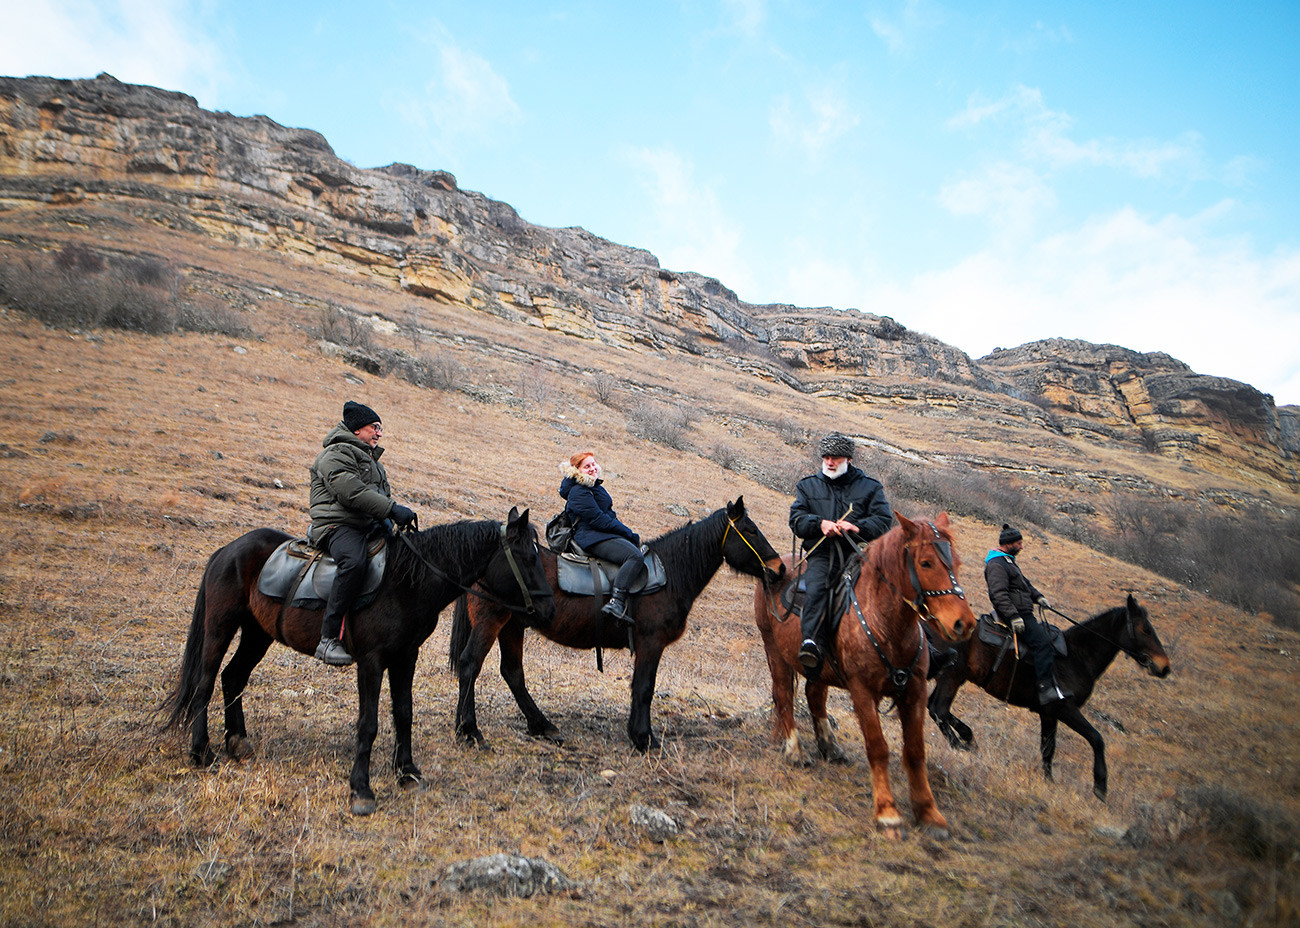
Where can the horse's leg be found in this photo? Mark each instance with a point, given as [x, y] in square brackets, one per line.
[511, 645]
[826, 743]
[400, 674]
[220, 627]
[954, 729]
[1074, 720]
[784, 731]
[912, 716]
[484, 629]
[370, 674]
[865, 706]
[253, 642]
[1047, 740]
[644, 672]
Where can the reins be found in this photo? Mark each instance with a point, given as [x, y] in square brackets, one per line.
[528, 608]
[1142, 660]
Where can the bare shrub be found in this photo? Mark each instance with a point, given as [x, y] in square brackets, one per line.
[331, 323]
[660, 424]
[207, 314]
[724, 455]
[436, 372]
[793, 433]
[602, 386]
[536, 386]
[782, 474]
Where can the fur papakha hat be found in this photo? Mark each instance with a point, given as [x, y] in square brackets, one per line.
[836, 445]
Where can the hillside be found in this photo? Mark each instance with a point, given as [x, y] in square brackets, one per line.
[493, 348]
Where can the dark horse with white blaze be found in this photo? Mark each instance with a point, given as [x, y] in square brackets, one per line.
[908, 576]
[425, 571]
[1091, 646]
[691, 555]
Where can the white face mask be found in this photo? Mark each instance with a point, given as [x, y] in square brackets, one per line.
[833, 472]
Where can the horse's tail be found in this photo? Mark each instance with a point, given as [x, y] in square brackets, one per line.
[179, 704]
[460, 629]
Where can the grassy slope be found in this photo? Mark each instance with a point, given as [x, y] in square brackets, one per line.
[113, 496]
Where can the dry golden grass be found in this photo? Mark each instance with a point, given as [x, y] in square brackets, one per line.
[165, 448]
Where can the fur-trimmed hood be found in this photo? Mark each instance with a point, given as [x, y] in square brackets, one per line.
[570, 472]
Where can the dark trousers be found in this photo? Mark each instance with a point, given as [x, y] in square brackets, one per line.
[347, 545]
[1040, 648]
[817, 577]
[620, 551]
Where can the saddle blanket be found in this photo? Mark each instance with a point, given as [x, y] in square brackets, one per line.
[792, 595]
[312, 589]
[992, 631]
[575, 575]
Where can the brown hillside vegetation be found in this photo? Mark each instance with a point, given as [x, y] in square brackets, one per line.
[130, 457]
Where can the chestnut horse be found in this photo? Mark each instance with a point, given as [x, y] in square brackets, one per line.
[909, 576]
[1091, 646]
[425, 571]
[691, 555]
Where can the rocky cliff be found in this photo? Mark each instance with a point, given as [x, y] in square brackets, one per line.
[253, 182]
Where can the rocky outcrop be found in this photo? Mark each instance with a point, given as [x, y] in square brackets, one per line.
[157, 156]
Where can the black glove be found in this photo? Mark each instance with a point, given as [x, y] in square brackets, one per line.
[402, 515]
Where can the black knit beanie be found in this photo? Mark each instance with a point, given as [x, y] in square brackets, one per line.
[358, 415]
[1009, 535]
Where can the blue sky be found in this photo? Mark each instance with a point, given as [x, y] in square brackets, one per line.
[990, 173]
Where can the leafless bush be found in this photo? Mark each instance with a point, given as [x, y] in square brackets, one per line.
[207, 314]
[660, 424]
[603, 385]
[793, 433]
[536, 386]
[782, 474]
[724, 455]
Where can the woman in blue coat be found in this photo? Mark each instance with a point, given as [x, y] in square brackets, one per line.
[597, 529]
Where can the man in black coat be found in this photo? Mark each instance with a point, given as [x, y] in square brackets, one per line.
[834, 511]
[1013, 597]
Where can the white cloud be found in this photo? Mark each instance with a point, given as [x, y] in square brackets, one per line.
[814, 124]
[689, 216]
[1011, 196]
[1150, 285]
[898, 30]
[746, 16]
[137, 41]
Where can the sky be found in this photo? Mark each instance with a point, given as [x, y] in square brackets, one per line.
[988, 173]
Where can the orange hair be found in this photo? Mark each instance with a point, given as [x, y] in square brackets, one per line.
[576, 460]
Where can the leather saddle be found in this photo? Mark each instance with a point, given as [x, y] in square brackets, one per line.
[792, 595]
[302, 573]
[993, 631]
[583, 575]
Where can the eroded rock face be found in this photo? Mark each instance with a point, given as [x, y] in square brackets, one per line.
[158, 156]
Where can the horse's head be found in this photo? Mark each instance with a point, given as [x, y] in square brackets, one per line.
[516, 575]
[1140, 640]
[931, 564]
[746, 549]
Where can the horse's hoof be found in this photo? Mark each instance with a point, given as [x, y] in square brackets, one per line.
[362, 805]
[549, 733]
[409, 782]
[239, 747]
[935, 831]
[834, 754]
[890, 832]
[204, 758]
[472, 739]
[1099, 792]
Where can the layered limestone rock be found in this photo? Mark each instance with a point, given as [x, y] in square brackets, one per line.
[157, 156]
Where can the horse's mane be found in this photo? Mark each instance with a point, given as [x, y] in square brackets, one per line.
[689, 552]
[453, 548]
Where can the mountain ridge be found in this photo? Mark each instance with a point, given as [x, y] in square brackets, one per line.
[252, 182]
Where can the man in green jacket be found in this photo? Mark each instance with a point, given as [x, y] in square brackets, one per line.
[350, 499]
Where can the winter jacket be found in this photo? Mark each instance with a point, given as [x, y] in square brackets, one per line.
[818, 497]
[348, 485]
[592, 509]
[1011, 594]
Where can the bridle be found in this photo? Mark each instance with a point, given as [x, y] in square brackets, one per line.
[762, 564]
[1141, 658]
[529, 608]
[944, 550]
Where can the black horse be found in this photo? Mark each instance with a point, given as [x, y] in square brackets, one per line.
[691, 556]
[1091, 646]
[425, 571]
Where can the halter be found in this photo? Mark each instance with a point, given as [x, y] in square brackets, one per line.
[944, 549]
[731, 523]
[1141, 659]
[528, 608]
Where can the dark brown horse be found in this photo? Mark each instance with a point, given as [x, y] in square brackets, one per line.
[1091, 646]
[909, 576]
[691, 556]
[425, 571]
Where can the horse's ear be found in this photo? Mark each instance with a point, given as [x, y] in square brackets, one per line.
[1132, 603]
[941, 520]
[737, 509]
[908, 525]
[513, 516]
